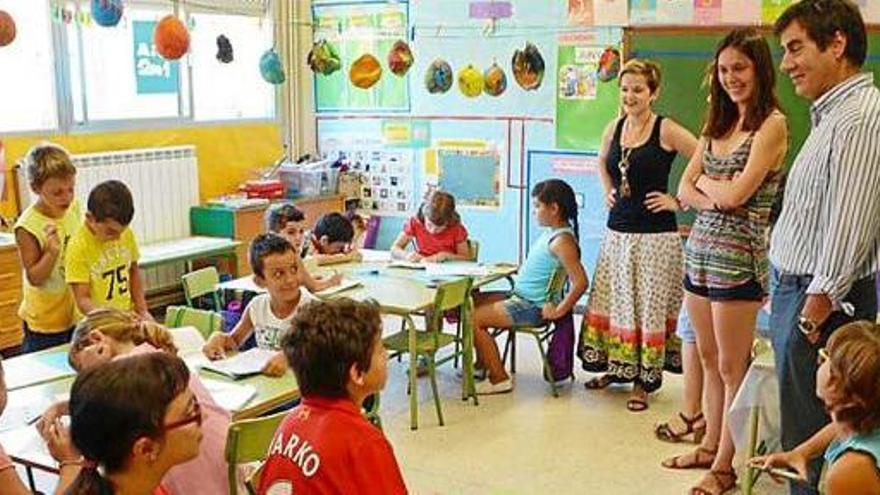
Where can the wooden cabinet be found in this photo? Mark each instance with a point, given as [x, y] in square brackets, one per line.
[10, 295]
[241, 224]
[315, 207]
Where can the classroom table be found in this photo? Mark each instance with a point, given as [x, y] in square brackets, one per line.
[187, 250]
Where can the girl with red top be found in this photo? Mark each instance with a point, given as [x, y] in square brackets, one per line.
[436, 230]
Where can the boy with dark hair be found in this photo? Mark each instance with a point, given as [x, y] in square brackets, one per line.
[330, 241]
[289, 222]
[325, 445]
[101, 261]
[276, 269]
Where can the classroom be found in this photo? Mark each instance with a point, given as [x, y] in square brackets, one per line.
[497, 247]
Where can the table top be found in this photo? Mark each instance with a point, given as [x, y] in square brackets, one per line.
[181, 249]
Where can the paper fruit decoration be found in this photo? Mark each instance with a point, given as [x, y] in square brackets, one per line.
[171, 38]
[7, 28]
[323, 58]
[470, 82]
[106, 13]
[438, 77]
[400, 58]
[224, 49]
[609, 64]
[494, 80]
[365, 71]
[528, 67]
[271, 68]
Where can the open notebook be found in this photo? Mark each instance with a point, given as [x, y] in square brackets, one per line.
[345, 284]
[244, 364]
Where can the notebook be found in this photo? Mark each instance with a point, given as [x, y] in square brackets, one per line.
[409, 265]
[229, 396]
[244, 364]
[189, 342]
[345, 284]
[457, 268]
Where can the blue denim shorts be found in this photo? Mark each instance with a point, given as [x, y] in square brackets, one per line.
[684, 329]
[522, 311]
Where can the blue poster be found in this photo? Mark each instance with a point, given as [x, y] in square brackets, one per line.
[153, 74]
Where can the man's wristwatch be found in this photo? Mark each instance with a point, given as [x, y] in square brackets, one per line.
[807, 326]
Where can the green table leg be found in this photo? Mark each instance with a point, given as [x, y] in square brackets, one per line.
[467, 335]
[413, 359]
[749, 482]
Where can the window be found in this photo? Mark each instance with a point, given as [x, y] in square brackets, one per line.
[27, 85]
[234, 90]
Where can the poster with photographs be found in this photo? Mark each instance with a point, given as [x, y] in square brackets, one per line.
[387, 188]
[578, 80]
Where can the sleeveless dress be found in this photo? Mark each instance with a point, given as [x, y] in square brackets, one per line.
[635, 298]
[728, 249]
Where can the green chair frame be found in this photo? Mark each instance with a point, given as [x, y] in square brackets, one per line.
[207, 322]
[452, 294]
[202, 282]
[541, 333]
[248, 441]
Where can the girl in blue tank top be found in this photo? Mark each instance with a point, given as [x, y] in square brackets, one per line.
[557, 248]
[848, 384]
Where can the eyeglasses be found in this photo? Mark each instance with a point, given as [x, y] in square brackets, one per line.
[822, 356]
[195, 417]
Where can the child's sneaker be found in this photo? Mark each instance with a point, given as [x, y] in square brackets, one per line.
[486, 387]
[480, 374]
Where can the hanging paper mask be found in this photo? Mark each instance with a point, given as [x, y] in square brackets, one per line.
[271, 68]
[323, 58]
[171, 38]
[528, 67]
[470, 82]
[224, 49]
[7, 28]
[365, 71]
[609, 64]
[494, 80]
[438, 77]
[400, 58]
[107, 13]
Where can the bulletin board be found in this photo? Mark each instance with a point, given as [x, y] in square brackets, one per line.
[473, 176]
[387, 187]
[355, 29]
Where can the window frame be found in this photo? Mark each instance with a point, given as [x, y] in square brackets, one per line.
[64, 94]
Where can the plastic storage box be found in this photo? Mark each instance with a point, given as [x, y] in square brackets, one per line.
[308, 180]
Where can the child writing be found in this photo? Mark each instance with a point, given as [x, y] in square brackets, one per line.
[135, 419]
[276, 269]
[42, 233]
[436, 230]
[336, 353]
[101, 263]
[555, 208]
[848, 382]
[107, 334]
[289, 222]
[330, 241]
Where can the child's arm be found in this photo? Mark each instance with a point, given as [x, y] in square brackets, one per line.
[9, 478]
[138, 296]
[800, 456]
[220, 343]
[313, 284]
[276, 366]
[38, 263]
[335, 259]
[398, 249]
[854, 473]
[82, 296]
[462, 253]
[566, 250]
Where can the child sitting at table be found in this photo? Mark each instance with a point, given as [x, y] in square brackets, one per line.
[107, 334]
[276, 269]
[101, 262]
[289, 222]
[41, 233]
[848, 383]
[325, 445]
[436, 230]
[330, 241]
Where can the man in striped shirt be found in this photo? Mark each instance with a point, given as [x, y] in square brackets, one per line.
[825, 245]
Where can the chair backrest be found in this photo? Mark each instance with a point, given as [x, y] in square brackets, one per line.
[452, 294]
[248, 441]
[199, 283]
[206, 321]
[474, 249]
[556, 284]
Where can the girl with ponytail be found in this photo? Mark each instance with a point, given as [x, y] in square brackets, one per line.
[529, 303]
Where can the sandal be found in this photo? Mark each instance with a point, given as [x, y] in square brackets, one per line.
[638, 401]
[664, 431]
[721, 481]
[599, 382]
[701, 458]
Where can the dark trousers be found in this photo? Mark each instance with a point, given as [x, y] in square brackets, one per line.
[803, 414]
[34, 341]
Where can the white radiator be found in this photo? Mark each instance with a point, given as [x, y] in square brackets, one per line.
[164, 184]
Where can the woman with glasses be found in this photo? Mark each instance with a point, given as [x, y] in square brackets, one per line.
[628, 334]
[732, 180]
[848, 383]
[133, 420]
[109, 335]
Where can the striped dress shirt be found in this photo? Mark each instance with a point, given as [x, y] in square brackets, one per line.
[830, 222]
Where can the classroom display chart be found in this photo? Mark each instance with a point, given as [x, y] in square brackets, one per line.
[356, 29]
[388, 183]
[473, 176]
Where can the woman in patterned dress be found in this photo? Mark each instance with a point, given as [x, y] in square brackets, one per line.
[732, 180]
[628, 333]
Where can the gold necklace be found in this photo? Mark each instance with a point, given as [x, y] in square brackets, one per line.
[625, 152]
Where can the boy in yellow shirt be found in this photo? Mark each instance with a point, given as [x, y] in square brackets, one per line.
[42, 232]
[101, 265]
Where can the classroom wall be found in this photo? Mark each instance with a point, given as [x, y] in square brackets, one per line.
[227, 154]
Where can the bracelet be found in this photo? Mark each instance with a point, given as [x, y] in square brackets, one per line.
[75, 462]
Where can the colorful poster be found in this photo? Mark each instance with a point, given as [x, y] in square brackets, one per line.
[473, 176]
[406, 133]
[153, 74]
[675, 12]
[707, 12]
[580, 12]
[740, 12]
[578, 80]
[643, 12]
[771, 9]
[610, 12]
[388, 184]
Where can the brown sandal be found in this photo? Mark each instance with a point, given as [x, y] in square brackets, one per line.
[664, 431]
[698, 462]
[724, 481]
